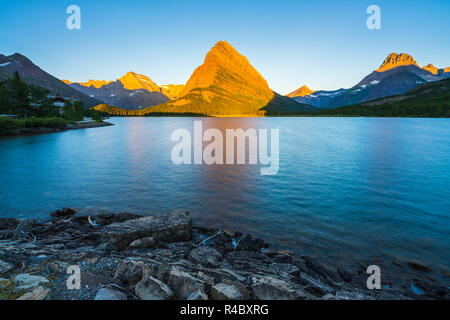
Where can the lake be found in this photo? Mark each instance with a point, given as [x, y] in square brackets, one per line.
[347, 189]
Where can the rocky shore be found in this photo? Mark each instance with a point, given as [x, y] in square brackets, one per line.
[130, 257]
[72, 126]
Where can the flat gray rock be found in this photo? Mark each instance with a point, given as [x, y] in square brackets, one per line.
[173, 227]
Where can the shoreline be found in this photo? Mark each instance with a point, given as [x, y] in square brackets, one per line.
[126, 256]
[40, 130]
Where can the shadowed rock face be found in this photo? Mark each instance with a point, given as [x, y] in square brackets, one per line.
[173, 227]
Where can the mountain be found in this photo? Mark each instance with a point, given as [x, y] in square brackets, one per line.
[301, 92]
[431, 99]
[227, 84]
[132, 91]
[34, 75]
[396, 75]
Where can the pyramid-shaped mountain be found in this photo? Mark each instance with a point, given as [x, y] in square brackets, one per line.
[227, 84]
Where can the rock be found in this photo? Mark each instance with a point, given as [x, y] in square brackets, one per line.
[197, 295]
[65, 212]
[206, 278]
[110, 294]
[150, 288]
[38, 293]
[24, 228]
[25, 281]
[418, 267]
[314, 286]
[246, 255]
[183, 283]
[40, 259]
[269, 288]
[241, 287]
[58, 267]
[172, 227]
[250, 244]
[206, 256]
[222, 291]
[4, 283]
[324, 270]
[350, 295]
[5, 267]
[8, 223]
[129, 272]
[108, 218]
[97, 279]
[147, 242]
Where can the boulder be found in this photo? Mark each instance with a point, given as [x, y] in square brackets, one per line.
[147, 242]
[65, 212]
[269, 288]
[150, 288]
[24, 228]
[25, 282]
[129, 272]
[8, 223]
[38, 293]
[206, 256]
[173, 227]
[110, 294]
[198, 295]
[5, 267]
[314, 286]
[222, 291]
[183, 283]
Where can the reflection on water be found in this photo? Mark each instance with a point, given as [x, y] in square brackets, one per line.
[347, 188]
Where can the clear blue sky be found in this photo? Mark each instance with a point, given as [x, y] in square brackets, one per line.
[323, 44]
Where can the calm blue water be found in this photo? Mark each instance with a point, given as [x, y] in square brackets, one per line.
[348, 188]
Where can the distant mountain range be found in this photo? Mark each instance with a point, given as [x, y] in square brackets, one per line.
[33, 75]
[398, 74]
[225, 84]
[132, 91]
[431, 99]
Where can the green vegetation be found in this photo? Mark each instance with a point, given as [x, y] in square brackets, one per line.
[24, 100]
[9, 125]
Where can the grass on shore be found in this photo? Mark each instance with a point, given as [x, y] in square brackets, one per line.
[7, 124]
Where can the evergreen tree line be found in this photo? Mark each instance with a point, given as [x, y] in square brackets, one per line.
[25, 100]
